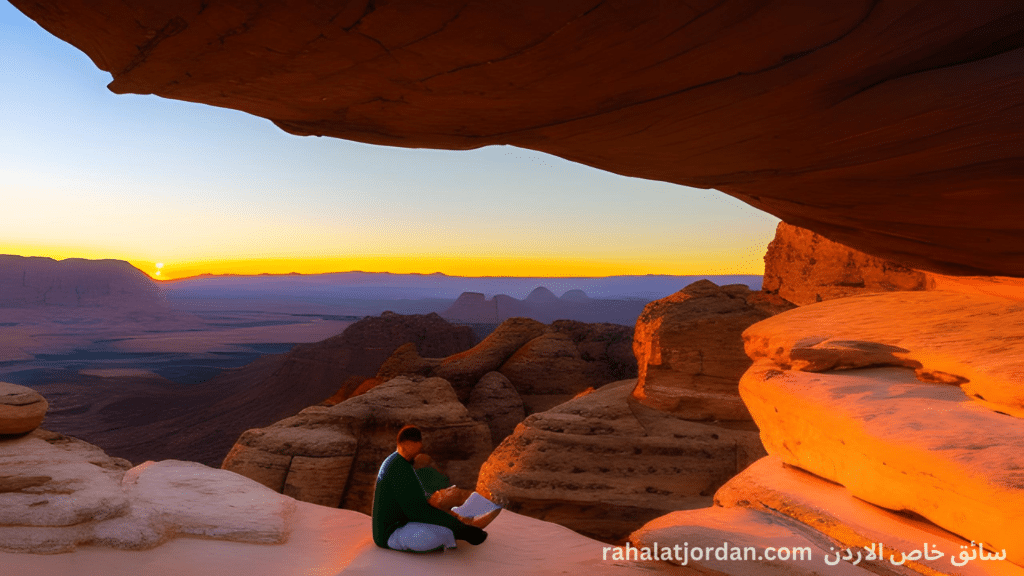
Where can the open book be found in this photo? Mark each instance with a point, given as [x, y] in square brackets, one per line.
[475, 505]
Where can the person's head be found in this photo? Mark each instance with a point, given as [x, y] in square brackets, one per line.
[410, 442]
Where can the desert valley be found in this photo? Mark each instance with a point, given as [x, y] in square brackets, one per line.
[856, 409]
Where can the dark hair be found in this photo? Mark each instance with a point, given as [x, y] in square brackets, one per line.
[410, 434]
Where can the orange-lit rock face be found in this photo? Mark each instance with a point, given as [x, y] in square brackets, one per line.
[690, 351]
[892, 127]
[803, 267]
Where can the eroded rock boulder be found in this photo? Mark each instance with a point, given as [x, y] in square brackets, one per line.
[330, 455]
[495, 402]
[689, 349]
[971, 339]
[803, 267]
[57, 492]
[22, 409]
[568, 358]
[603, 464]
[898, 443]
[464, 370]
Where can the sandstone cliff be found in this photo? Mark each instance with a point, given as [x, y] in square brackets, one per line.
[891, 401]
[804, 267]
[76, 282]
[330, 455]
[202, 422]
[689, 349]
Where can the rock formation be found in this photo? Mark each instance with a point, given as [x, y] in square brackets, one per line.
[464, 370]
[803, 267]
[21, 409]
[905, 401]
[57, 492]
[543, 306]
[887, 126]
[546, 365]
[689, 349]
[603, 464]
[495, 401]
[203, 424]
[330, 455]
[568, 358]
[76, 282]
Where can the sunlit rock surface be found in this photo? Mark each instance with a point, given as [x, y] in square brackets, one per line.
[21, 409]
[715, 540]
[770, 487]
[899, 443]
[690, 351]
[330, 455]
[974, 340]
[57, 493]
[892, 127]
[804, 267]
[603, 464]
[329, 542]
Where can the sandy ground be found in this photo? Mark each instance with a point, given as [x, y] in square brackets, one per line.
[328, 542]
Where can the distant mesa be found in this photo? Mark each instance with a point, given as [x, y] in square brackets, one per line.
[76, 282]
[543, 306]
[541, 295]
[575, 296]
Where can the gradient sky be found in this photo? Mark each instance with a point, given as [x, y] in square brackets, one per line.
[86, 173]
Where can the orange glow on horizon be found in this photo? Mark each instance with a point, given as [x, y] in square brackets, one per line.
[452, 266]
[167, 270]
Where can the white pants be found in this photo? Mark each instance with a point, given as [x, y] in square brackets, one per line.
[420, 537]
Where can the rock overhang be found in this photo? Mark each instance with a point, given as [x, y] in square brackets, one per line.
[891, 127]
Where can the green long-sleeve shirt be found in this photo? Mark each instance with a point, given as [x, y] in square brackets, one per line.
[398, 498]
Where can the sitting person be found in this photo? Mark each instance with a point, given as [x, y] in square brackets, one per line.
[444, 495]
[402, 517]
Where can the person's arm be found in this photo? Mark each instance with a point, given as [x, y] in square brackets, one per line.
[409, 495]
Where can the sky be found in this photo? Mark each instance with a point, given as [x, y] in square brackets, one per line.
[180, 189]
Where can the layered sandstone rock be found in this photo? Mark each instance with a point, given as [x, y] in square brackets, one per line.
[603, 465]
[495, 402]
[974, 340]
[568, 358]
[465, 369]
[546, 365]
[899, 443]
[21, 409]
[803, 267]
[689, 349]
[769, 503]
[905, 399]
[330, 455]
[888, 126]
[770, 487]
[275, 387]
[57, 492]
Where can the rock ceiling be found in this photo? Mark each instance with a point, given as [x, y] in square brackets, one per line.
[894, 127]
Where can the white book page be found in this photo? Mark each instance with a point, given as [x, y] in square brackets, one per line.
[474, 506]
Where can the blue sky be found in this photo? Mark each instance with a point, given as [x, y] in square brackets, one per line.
[87, 173]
